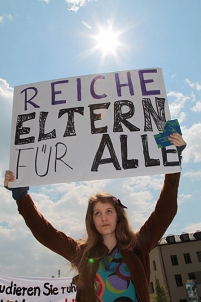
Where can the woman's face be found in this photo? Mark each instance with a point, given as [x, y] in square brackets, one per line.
[105, 218]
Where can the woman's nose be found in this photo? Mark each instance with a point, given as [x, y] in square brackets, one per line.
[103, 217]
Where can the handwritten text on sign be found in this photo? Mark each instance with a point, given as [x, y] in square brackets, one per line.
[90, 127]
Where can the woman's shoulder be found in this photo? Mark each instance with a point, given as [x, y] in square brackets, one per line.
[81, 243]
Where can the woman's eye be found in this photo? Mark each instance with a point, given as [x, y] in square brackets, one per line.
[109, 211]
[96, 213]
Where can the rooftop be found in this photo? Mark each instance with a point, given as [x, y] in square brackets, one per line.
[184, 237]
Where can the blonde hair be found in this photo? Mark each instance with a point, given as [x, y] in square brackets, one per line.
[126, 238]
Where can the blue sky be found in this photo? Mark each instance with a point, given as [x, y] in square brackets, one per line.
[45, 40]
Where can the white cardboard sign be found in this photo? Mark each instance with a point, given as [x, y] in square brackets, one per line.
[90, 127]
[29, 289]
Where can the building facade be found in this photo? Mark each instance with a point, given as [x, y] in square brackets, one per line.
[175, 260]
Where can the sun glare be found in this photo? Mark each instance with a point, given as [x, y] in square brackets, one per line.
[107, 41]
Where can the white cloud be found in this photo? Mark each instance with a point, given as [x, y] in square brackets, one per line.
[10, 18]
[196, 85]
[193, 97]
[133, 192]
[177, 105]
[6, 96]
[6, 17]
[193, 227]
[181, 117]
[197, 107]
[76, 4]
[183, 197]
[46, 1]
[6, 92]
[193, 139]
[193, 175]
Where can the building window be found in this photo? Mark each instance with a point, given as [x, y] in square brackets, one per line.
[187, 258]
[174, 260]
[197, 235]
[191, 276]
[151, 288]
[199, 256]
[154, 265]
[170, 239]
[178, 280]
[184, 237]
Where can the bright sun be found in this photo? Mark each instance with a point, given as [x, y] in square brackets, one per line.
[107, 41]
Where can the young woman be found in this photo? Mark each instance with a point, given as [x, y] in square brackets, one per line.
[113, 263]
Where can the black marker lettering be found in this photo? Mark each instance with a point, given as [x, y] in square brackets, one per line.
[149, 162]
[70, 128]
[126, 163]
[23, 130]
[42, 135]
[159, 117]
[106, 141]
[96, 117]
[120, 117]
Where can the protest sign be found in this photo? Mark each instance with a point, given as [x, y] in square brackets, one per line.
[90, 127]
[25, 289]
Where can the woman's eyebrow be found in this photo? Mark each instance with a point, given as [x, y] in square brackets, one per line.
[105, 209]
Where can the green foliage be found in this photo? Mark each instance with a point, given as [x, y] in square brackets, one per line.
[161, 293]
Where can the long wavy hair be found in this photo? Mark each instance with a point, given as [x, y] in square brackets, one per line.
[126, 238]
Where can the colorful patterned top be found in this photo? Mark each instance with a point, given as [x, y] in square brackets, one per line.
[113, 280]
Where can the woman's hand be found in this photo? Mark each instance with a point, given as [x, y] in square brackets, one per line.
[9, 176]
[177, 140]
[17, 193]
